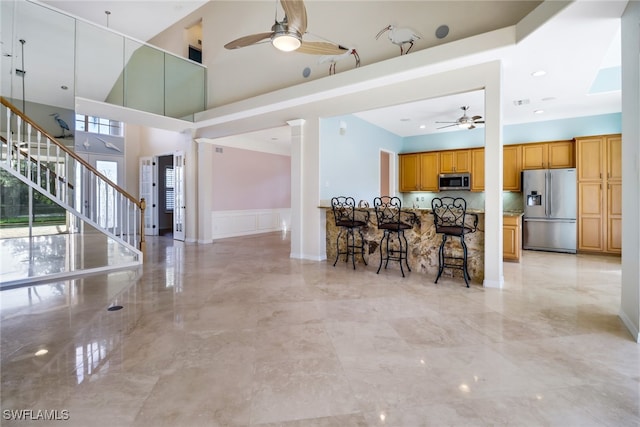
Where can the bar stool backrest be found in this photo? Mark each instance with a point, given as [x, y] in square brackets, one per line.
[449, 215]
[344, 212]
[388, 212]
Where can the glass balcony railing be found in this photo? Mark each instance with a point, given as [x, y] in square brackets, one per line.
[52, 58]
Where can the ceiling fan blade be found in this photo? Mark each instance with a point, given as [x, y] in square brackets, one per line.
[471, 127]
[248, 40]
[474, 118]
[296, 15]
[448, 122]
[321, 48]
[478, 121]
[448, 126]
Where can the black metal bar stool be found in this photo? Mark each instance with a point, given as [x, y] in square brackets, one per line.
[349, 219]
[393, 220]
[449, 216]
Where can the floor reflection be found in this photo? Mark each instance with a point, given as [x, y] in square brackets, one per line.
[39, 256]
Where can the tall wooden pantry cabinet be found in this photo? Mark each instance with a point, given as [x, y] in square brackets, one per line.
[599, 164]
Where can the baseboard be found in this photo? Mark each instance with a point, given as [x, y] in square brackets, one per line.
[497, 284]
[247, 222]
[307, 257]
[633, 329]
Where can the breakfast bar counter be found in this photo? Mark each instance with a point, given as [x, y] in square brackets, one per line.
[424, 244]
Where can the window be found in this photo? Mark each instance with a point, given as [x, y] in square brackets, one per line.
[98, 125]
[169, 180]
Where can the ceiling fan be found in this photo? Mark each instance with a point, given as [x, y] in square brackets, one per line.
[286, 35]
[464, 122]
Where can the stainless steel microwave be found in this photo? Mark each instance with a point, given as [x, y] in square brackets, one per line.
[454, 181]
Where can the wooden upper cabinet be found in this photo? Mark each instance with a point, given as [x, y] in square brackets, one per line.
[455, 161]
[511, 167]
[589, 159]
[614, 158]
[429, 171]
[409, 172]
[477, 169]
[534, 156]
[419, 172]
[548, 155]
[561, 155]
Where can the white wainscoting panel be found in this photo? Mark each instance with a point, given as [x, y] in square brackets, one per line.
[243, 223]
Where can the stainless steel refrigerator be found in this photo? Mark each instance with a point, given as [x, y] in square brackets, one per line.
[550, 206]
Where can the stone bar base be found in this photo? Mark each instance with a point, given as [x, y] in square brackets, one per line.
[424, 245]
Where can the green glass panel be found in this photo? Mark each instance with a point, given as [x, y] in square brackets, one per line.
[144, 78]
[185, 87]
[100, 61]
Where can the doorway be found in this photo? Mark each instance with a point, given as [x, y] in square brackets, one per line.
[166, 195]
[162, 187]
[387, 173]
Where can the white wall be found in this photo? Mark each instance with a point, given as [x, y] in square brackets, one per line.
[630, 298]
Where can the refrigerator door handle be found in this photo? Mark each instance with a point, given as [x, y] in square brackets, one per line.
[548, 220]
[549, 187]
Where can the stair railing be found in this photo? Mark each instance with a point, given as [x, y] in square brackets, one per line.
[38, 159]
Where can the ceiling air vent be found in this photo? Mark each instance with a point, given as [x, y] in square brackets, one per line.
[520, 102]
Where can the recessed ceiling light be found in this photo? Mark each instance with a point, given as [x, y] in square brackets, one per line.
[423, 126]
[41, 352]
[64, 87]
[539, 73]
[538, 112]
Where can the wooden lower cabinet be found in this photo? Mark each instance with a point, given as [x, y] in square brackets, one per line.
[511, 237]
[614, 217]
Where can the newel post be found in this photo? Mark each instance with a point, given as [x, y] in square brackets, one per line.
[143, 206]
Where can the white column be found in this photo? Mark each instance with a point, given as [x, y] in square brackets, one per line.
[296, 188]
[630, 293]
[493, 163]
[307, 219]
[205, 175]
[191, 198]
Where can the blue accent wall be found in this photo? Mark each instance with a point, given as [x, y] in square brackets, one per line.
[552, 130]
[350, 163]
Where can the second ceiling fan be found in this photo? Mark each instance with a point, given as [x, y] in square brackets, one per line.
[464, 122]
[287, 34]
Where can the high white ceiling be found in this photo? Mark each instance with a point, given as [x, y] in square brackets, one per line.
[572, 48]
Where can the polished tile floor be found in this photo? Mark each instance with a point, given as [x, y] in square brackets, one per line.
[237, 333]
[51, 251]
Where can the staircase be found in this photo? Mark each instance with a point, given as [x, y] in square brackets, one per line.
[37, 159]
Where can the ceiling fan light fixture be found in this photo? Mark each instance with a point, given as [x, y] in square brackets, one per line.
[464, 125]
[285, 40]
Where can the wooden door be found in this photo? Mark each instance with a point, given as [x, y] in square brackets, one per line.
[589, 159]
[409, 172]
[511, 170]
[590, 217]
[614, 158]
[614, 217]
[534, 156]
[462, 159]
[560, 155]
[447, 162]
[429, 171]
[477, 169]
